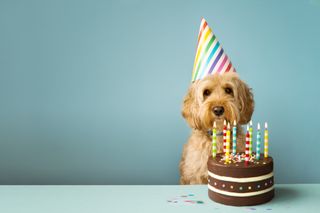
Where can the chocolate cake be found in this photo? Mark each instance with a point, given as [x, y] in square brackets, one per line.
[240, 183]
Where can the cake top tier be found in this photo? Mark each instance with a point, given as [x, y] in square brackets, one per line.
[239, 159]
[238, 167]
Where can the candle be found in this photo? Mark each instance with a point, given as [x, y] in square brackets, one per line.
[250, 137]
[224, 135]
[234, 138]
[258, 142]
[214, 140]
[228, 144]
[247, 145]
[266, 140]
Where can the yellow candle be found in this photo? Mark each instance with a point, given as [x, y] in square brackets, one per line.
[266, 140]
[228, 144]
[214, 140]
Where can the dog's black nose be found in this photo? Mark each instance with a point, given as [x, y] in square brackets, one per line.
[218, 110]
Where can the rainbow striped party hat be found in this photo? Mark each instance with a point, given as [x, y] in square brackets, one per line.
[210, 57]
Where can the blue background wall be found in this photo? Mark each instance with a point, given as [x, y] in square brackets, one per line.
[91, 91]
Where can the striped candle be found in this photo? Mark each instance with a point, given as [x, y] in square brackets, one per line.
[250, 138]
[258, 142]
[214, 140]
[210, 56]
[228, 145]
[266, 140]
[224, 135]
[247, 145]
[234, 138]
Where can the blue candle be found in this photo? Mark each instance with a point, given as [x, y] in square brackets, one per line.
[258, 142]
[234, 138]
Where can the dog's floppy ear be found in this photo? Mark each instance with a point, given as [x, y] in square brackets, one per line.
[246, 102]
[190, 107]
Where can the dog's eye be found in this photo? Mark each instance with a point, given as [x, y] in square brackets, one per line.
[206, 93]
[228, 90]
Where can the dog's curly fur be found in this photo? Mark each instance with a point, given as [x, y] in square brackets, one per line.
[202, 96]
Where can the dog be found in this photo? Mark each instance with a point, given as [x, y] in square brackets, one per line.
[214, 98]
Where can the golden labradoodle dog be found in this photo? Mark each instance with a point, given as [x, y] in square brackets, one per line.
[214, 98]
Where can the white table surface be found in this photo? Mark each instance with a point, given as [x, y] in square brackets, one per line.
[300, 198]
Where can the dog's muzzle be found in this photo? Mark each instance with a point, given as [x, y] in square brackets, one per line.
[218, 110]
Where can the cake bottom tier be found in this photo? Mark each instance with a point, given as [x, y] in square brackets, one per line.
[241, 201]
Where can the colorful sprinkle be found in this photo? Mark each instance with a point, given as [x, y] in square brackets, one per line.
[181, 199]
[252, 208]
[240, 157]
[194, 201]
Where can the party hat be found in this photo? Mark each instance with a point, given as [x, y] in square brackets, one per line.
[210, 56]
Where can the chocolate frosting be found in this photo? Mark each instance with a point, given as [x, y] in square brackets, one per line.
[253, 168]
[245, 187]
[240, 169]
[241, 201]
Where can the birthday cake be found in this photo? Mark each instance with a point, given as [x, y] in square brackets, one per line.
[240, 183]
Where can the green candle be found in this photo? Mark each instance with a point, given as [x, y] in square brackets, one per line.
[250, 138]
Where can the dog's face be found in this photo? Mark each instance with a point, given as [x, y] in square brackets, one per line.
[215, 98]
